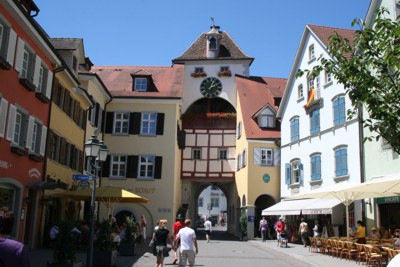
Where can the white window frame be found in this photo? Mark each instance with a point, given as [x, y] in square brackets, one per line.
[244, 158]
[295, 169]
[222, 154]
[121, 123]
[148, 123]
[214, 202]
[120, 162]
[146, 167]
[267, 120]
[310, 83]
[8, 41]
[140, 84]
[3, 116]
[328, 77]
[196, 154]
[311, 52]
[266, 157]
[300, 91]
[239, 130]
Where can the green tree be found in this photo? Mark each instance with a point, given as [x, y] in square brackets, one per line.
[368, 66]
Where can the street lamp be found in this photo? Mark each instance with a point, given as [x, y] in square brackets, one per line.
[95, 151]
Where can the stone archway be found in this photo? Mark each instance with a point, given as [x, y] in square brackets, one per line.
[262, 202]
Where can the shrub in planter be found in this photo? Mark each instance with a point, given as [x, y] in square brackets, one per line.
[127, 246]
[105, 252]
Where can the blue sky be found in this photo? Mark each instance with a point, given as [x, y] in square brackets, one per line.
[153, 32]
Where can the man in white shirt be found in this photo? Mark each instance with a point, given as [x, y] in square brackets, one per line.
[207, 228]
[188, 244]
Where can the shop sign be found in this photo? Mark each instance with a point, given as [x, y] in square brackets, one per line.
[383, 200]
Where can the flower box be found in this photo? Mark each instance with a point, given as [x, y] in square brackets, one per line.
[198, 74]
[225, 73]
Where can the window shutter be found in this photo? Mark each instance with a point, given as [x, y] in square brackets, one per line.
[109, 122]
[49, 84]
[135, 119]
[38, 62]
[12, 40]
[20, 53]
[158, 168]
[96, 115]
[43, 140]
[132, 165]
[277, 157]
[181, 139]
[29, 133]
[301, 174]
[160, 123]
[11, 122]
[99, 121]
[105, 167]
[257, 156]
[288, 173]
[3, 116]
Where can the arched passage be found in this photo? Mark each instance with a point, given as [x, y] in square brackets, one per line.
[262, 202]
[212, 203]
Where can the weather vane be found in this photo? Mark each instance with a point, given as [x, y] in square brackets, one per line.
[212, 19]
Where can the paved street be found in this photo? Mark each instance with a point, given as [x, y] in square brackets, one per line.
[222, 251]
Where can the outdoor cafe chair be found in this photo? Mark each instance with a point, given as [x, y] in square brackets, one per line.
[372, 256]
[360, 256]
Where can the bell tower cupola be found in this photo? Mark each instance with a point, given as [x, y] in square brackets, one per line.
[213, 42]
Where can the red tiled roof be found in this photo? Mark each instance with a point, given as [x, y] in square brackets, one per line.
[168, 81]
[255, 93]
[323, 33]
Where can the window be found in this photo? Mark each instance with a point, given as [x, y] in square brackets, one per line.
[310, 82]
[239, 130]
[146, 167]
[118, 166]
[200, 202]
[213, 44]
[339, 110]
[27, 62]
[244, 157]
[341, 161]
[121, 122]
[196, 153]
[266, 157]
[300, 92]
[3, 115]
[8, 39]
[149, 123]
[266, 120]
[224, 68]
[140, 84]
[43, 78]
[223, 154]
[239, 162]
[198, 69]
[294, 129]
[328, 77]
[311, 52]
[317, 82]
[314, 121]
[294, 172]
[215, 202]
[315, 167]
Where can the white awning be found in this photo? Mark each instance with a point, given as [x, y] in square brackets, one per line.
[302, 206]
[321, 206]
[287, 207]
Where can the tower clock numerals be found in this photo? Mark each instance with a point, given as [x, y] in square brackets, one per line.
[210, 87]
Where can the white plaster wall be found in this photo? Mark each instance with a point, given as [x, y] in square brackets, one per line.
[329, 137]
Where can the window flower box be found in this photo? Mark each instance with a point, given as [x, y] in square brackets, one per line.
[19, 150]
[35, 157]
[225, 73]
[198, 74]
[42, 97]
[27, 84]
[220, 115]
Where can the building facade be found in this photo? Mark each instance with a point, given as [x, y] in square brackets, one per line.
[27, 65]
[320, 145]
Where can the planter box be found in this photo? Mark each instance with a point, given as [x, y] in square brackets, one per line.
[104, 258]
[127, 249]
[75, 264]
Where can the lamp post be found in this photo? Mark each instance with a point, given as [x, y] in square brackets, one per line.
[96, 151]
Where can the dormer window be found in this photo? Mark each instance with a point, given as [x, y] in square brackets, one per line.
[213, 44]
[140, 85]
[266, 118]
[311, 52]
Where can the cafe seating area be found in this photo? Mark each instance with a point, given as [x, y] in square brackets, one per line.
[377, 252]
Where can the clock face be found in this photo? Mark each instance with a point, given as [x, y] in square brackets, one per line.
[211, 87]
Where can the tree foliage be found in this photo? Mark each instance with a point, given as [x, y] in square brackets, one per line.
[370, 75]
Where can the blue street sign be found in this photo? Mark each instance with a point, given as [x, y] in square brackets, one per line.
[82, 177]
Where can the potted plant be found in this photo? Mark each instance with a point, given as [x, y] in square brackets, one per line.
[64, 247]
[105, 252]
[127, 246]
[243, 226]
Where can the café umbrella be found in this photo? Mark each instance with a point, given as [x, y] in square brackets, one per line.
[346, 193]
[108, 195]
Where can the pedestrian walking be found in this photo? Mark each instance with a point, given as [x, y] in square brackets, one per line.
[303, 231]
[12, 253]
[207, 228]
[143, 227]
[188, 244]
[178, 225]
[161, 238]
[263, 229]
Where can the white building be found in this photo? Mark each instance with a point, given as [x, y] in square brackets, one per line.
[320, 145]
